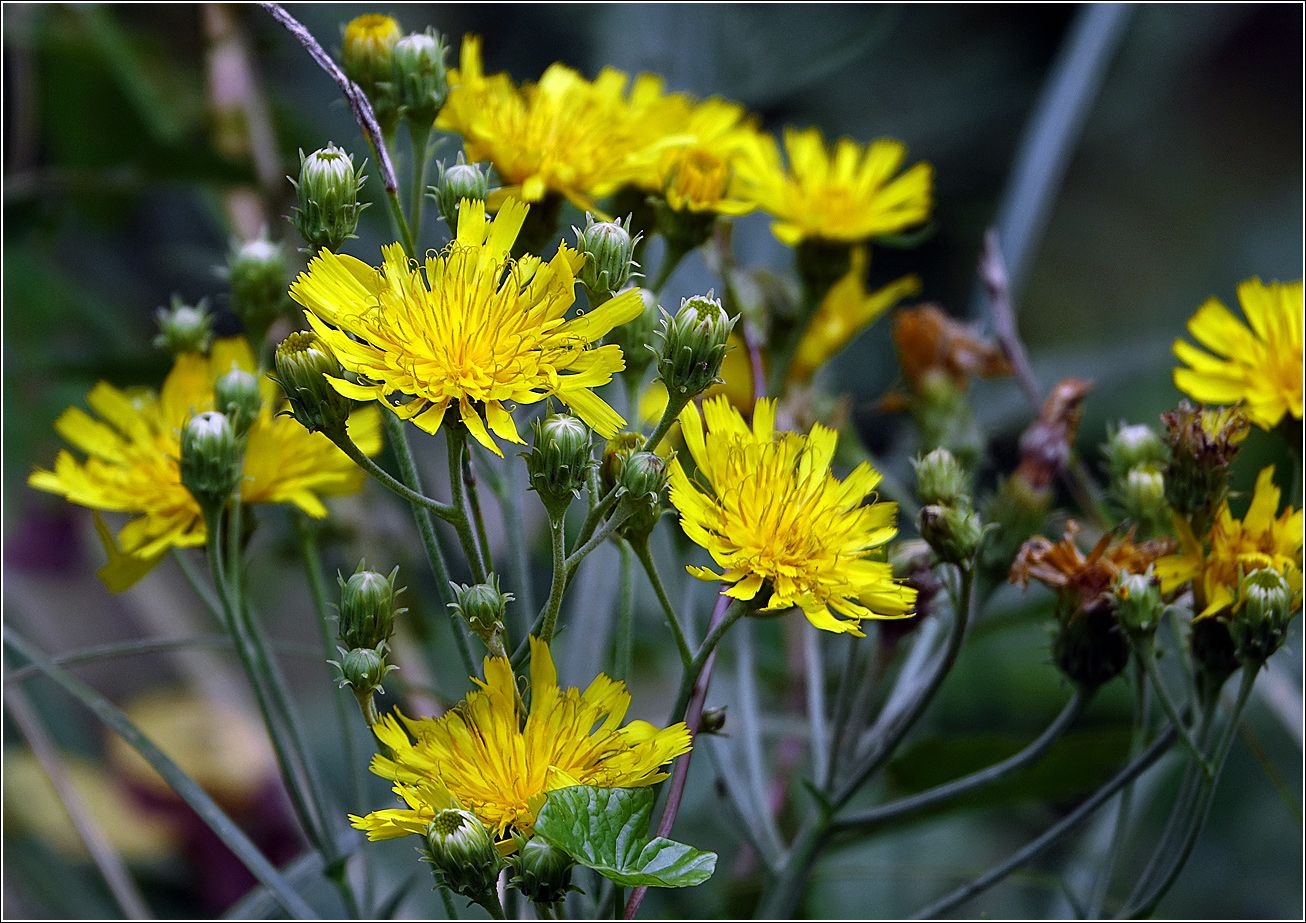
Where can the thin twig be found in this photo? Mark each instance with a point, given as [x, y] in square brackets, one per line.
[993, 273]
[354, 94]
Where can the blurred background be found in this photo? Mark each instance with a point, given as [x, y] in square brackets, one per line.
[139, 141]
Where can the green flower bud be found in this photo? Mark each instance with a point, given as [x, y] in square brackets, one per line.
[236, 394]
[367, 607]
[1138, 603]
[542, 871]
[1017, 512]
[363, 669]
[1259, 625]
[482, 605]
[257, 273]
[560, 459]
[609, 256]
[713, 720]
[462, 854]
[211, 458]
[941, 481]
[185, 329]
[619, 448]
[367, 53]
[643, 476]
[328, 189]
[1202, 445]
[953, 532]
[419, 77]
[1131, 446]
[693, 345]
[460, 181]
[636, 340]
[1090, 648]
[1141, 497]
[303, 363]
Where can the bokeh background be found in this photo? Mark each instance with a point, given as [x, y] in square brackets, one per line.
[126, 176]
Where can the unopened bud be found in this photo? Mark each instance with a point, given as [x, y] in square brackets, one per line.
[363, 669]
[560, 459]
[643, 476]
[1090, 648]
[713, 720]
[258, 276]
[482, 606]
[185, 328]
[303, 363]
[211, 458]
[609, 250]
[542, 871]
[1202, 443]
[236, 394]
[328, 188]
[1138, 603]
[1131, 446]
[367, 54]
[1141, 496]
[454, 183]
[462, 854]
[941, 481]
[419, 77]
[953, 532]
[1259, 625]
[693, 345]
[367, 607]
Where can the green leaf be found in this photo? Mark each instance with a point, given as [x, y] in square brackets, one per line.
[606, 829]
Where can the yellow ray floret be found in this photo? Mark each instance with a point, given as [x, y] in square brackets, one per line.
[476, 332]
[849, 194]
[1260, 365]
[774, 515]
[1263, 538]
[132, 451]
[486, 757]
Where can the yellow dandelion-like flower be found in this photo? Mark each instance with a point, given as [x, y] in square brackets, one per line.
[564, 134]
[847, 309]
[479, 331]
[132, 453]
[1260, 366]
[773, 514]
[1263, 538]
[849, 194]
[698, 164]
[486, 757]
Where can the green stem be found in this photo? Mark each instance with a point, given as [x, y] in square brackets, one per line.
[185, 787]
[474, 502]
[641, 549]
[622, 654]
[398, 440]
[736, 610]
[192, 575]
[675, 404]
[392, 202]
[347, 445]
[1145, 651]
[1035, 847]
[817, 720]
[596, 513]
[558, 542]
[625, 509]
[419, 133]
[455, 443]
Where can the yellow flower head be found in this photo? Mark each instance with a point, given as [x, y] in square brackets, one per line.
[564, 134]
[132, 460]
[1260, 366]
[367, 48]
[847, 309]
[849, 194]
[699, 162]
[1234, 548]
[773, 514]
[484, 756]
[478, 331]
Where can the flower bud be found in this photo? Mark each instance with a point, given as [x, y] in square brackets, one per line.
[1017, 511]
[418, 76]
[367, 53]
[258, 276]
[609, 256]
[941, 481]
[713, 720]
[482, 606]
[367, 608]
[454, 183]
[1202, 443]
[1090, 648]
[462, 854]
[1141, 497]
[1138, 603]
[363, 669]
[542, 871]
[1259, 625]
[236, 394]
[303, 363]
[1131, 446]
[560, 459]
[693, 345]
[185, 329]
[328, 187]
[643, 475]
[954, 533]
[211, 458]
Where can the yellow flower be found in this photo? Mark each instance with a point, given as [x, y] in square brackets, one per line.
[479, 330]
[131, 464]
[1261, 539]
[847, 195]
[774, 514]
[484, 756]
[1260, 366]
[847, 309]
[564, 134]
[699, 159]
